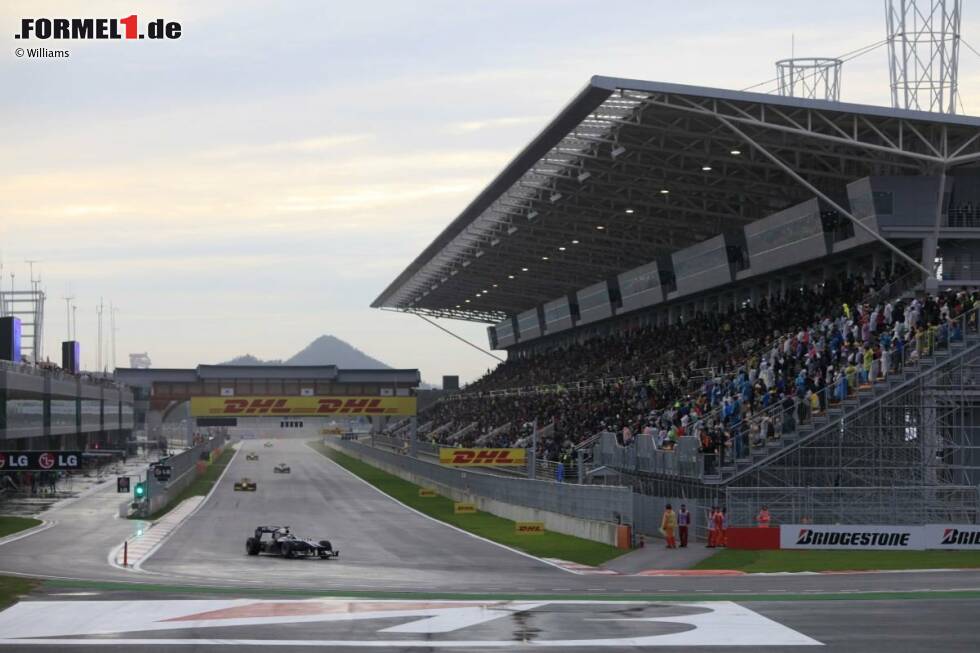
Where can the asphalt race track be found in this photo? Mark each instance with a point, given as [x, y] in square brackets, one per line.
[386, 547]
[382, 545]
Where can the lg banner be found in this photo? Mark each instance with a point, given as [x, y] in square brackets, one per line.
[39, 461]
[882, 538]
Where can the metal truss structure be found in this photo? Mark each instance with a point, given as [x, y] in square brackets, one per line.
[28, 305]
[816, 78]
[913, 457]
[631, 170]
[923, 53]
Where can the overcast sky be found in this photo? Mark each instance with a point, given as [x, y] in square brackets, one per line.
[259, 181]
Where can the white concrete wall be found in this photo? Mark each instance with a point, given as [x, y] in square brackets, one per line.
[597, 531]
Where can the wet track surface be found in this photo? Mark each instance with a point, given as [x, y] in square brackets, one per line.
[387, 547]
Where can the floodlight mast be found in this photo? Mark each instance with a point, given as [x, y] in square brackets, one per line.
[923, 53]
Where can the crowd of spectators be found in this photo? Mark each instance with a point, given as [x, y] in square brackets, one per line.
[772, 364]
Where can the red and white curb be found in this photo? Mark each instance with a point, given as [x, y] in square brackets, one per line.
[148, 537]
[147, 540]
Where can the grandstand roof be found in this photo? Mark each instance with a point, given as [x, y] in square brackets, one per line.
[631, 170]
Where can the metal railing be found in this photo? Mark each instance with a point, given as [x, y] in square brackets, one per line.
[583, 384]
[855, 505]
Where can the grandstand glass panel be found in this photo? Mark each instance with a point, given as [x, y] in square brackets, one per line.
[127, 416]
[794, 231]
[63, 412]
[25, 411]
[883, 202]
[91, 412]
[701, 263]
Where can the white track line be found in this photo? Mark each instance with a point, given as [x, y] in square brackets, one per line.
[433, 519]
[33, 530]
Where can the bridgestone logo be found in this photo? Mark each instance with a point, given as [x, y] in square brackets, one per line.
[956, 536]
[809, 537]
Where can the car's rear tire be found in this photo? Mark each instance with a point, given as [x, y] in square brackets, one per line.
[287, 551]
[251, 547]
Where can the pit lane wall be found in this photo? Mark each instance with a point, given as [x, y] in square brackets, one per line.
[184, 469]
[592, 512]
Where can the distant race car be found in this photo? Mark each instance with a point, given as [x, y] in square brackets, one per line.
[283, 543]
[281, 468]
[267, 444]
[251, 455]
[246, 485]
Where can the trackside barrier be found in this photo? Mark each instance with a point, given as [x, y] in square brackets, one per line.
[185, 467]
[588, 511]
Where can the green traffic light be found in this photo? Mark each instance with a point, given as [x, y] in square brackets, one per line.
[140, 490]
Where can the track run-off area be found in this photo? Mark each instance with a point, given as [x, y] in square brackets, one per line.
[404, 581]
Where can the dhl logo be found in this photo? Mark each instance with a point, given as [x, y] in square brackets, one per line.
[529, 527]
[326, 406]
[482, 457]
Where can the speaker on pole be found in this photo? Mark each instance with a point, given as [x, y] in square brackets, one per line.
[10, 339]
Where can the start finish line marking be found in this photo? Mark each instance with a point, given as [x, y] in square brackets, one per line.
[584, 624]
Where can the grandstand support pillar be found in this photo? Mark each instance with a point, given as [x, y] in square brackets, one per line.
[826, 198]
[932, 285]
[930, 247]
[532, 459]
[876, 264]
[413, 435]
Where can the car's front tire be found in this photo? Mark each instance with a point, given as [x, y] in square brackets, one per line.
[251, 547]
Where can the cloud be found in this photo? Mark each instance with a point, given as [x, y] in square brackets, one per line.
[305, 146]
[495, 123]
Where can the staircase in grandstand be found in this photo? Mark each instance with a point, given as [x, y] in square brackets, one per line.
[800, 424]
[792, 427]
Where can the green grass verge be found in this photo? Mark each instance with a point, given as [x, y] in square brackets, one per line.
[12, 588]
[773, 561]
[200, 486]
[497, 529]
[11, 525]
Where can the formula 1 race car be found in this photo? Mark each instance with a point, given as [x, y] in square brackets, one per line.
[283, 543]
[251, 455]
[245, 485]
[268, 444]
[281, 468]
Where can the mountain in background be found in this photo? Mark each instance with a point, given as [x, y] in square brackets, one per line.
[325, 350]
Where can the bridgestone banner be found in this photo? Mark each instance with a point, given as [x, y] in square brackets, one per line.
[951, 536]
[882, 538]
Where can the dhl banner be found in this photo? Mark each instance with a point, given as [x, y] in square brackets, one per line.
[481, 457]
[464, 508]
[300, 406]
[529, 527]
[426, 492]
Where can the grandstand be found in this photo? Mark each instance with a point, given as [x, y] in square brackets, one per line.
[728, 296]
